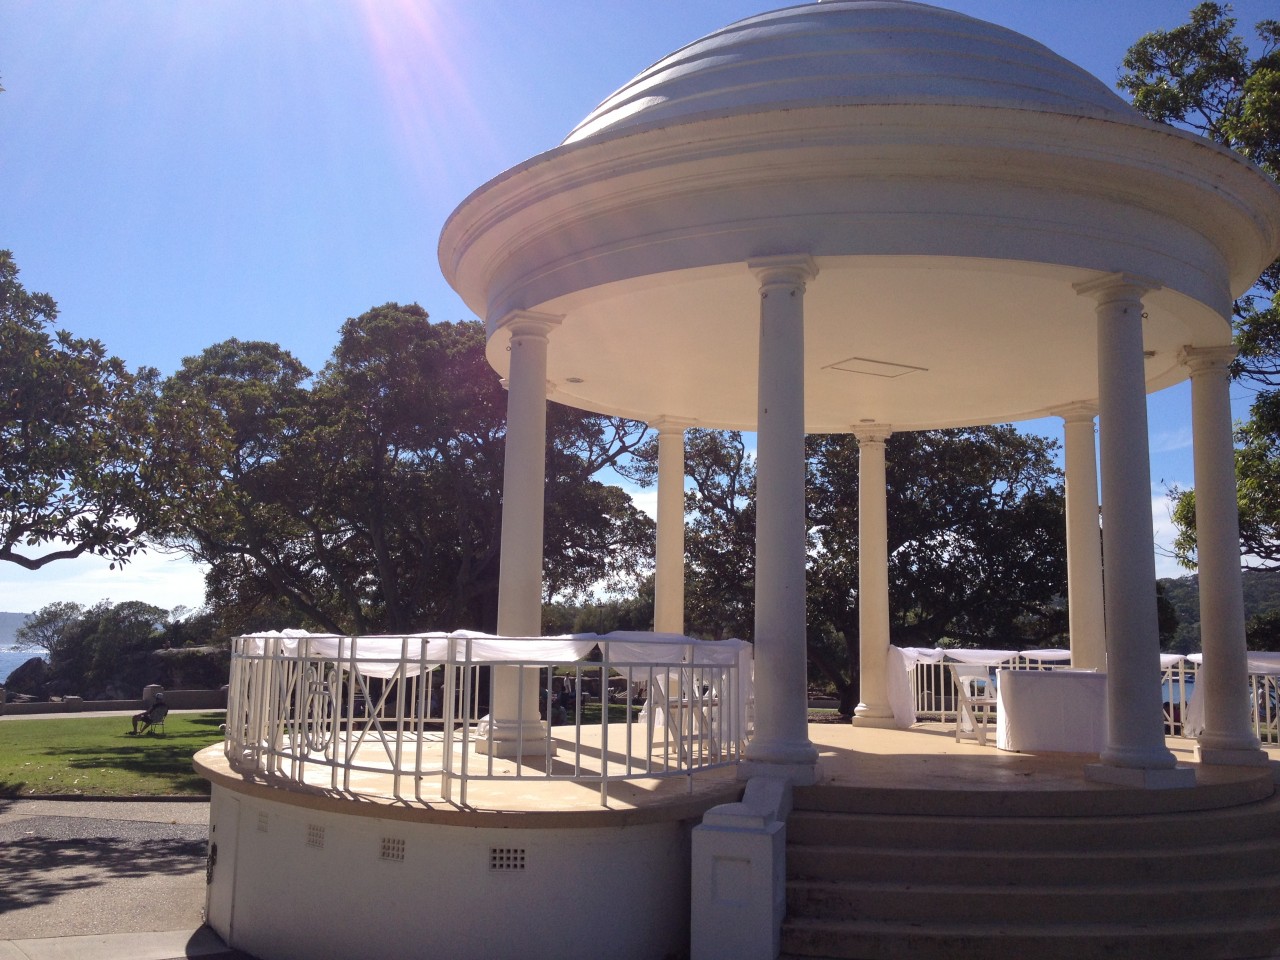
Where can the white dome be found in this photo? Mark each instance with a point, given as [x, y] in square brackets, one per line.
[954, 183]
[855, 52]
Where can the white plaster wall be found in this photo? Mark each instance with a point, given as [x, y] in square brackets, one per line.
[584, 893]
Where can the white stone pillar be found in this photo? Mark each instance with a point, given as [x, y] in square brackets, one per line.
[873, 580]
[1135, 752]
[513, 707]
[1228, 736]
[668, 578]
[781, 745]
[1084, 540]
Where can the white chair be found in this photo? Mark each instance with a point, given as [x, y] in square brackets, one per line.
[975, 701]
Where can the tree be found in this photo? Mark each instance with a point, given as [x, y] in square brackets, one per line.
[977, 555]
[976, 547]
[1200, 76]
[73, 425]
[99, 652]
[720, 529]
[368, 497]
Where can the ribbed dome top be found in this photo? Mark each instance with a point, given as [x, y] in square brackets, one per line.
[852, 52]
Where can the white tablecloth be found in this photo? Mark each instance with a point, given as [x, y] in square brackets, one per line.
[1051, 710]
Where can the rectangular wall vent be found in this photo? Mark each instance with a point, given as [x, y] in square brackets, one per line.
[315, 835]
[392, 849]
[506, 859]
[262, 822]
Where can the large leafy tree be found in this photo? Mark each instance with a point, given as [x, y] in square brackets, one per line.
[73, 426]
[368, 497]
[1202, 76]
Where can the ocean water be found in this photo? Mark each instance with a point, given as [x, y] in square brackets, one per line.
[11, 660]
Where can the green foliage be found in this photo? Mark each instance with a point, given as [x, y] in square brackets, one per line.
[975, 541]
[367, 498]
[73, 426]
[92, 756]
[1201, 76]
[113, 650]
[1261, 609]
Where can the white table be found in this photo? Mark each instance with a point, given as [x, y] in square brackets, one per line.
[1051, 710]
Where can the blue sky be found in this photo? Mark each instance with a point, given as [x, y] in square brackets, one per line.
[177, 172]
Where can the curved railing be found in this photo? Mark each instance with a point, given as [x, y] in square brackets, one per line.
[407, 716]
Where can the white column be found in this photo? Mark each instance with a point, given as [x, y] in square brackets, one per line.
[1135, 752]
[668, 578]
[1228, 736]
[873, 581]
[781, 745]
[1084, 540]
[514, 697]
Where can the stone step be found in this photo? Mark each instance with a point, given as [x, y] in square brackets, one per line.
[1094, 800]
[1028, 905]
[926, 940]
[941, 832]
[997, 867]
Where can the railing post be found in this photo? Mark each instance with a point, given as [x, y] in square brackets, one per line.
[738, 886]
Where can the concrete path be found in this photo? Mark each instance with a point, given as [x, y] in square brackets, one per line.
[104, 880]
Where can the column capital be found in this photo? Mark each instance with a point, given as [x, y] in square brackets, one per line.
[1208, 359]
[665, 424]
[1116, 286]
[790, 269]
[1077, 412]
[529, 323]
[872, 432]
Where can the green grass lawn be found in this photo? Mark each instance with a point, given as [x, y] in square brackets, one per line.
[93, 756]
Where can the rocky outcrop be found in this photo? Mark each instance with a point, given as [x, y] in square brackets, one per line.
[31, 679]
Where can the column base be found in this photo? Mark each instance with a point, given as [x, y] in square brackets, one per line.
[882, 723]
[1232, 756]
[1146, 778]
[794, 762]
[515, 738]
[799, 774]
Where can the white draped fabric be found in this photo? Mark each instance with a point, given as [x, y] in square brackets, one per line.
[902, 660]
[1265, 664]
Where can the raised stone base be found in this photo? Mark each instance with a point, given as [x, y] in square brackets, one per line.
[1166, 778]
[511, 749]
[797, 774]
[1242, 757]
[883, 723]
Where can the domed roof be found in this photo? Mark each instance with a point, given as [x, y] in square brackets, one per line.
[852, 52]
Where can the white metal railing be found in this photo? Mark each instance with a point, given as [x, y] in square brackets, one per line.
[935, 696]
[407, 716]
[934, 690]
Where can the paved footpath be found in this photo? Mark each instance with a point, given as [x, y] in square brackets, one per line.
[104, 879]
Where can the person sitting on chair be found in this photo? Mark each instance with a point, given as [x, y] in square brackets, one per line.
[151, 716]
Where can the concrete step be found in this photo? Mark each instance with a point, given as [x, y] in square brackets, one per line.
[871, 885]
[808, 826]
[1029, 905]
[1094, 799]
[926, 940]
[1002, 867]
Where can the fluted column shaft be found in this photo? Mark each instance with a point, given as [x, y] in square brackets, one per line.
[1228, 735]
[1135, 750]
[781, 744]
[1084, 541]
[668, 587]
[514, 701]
[873, 709]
